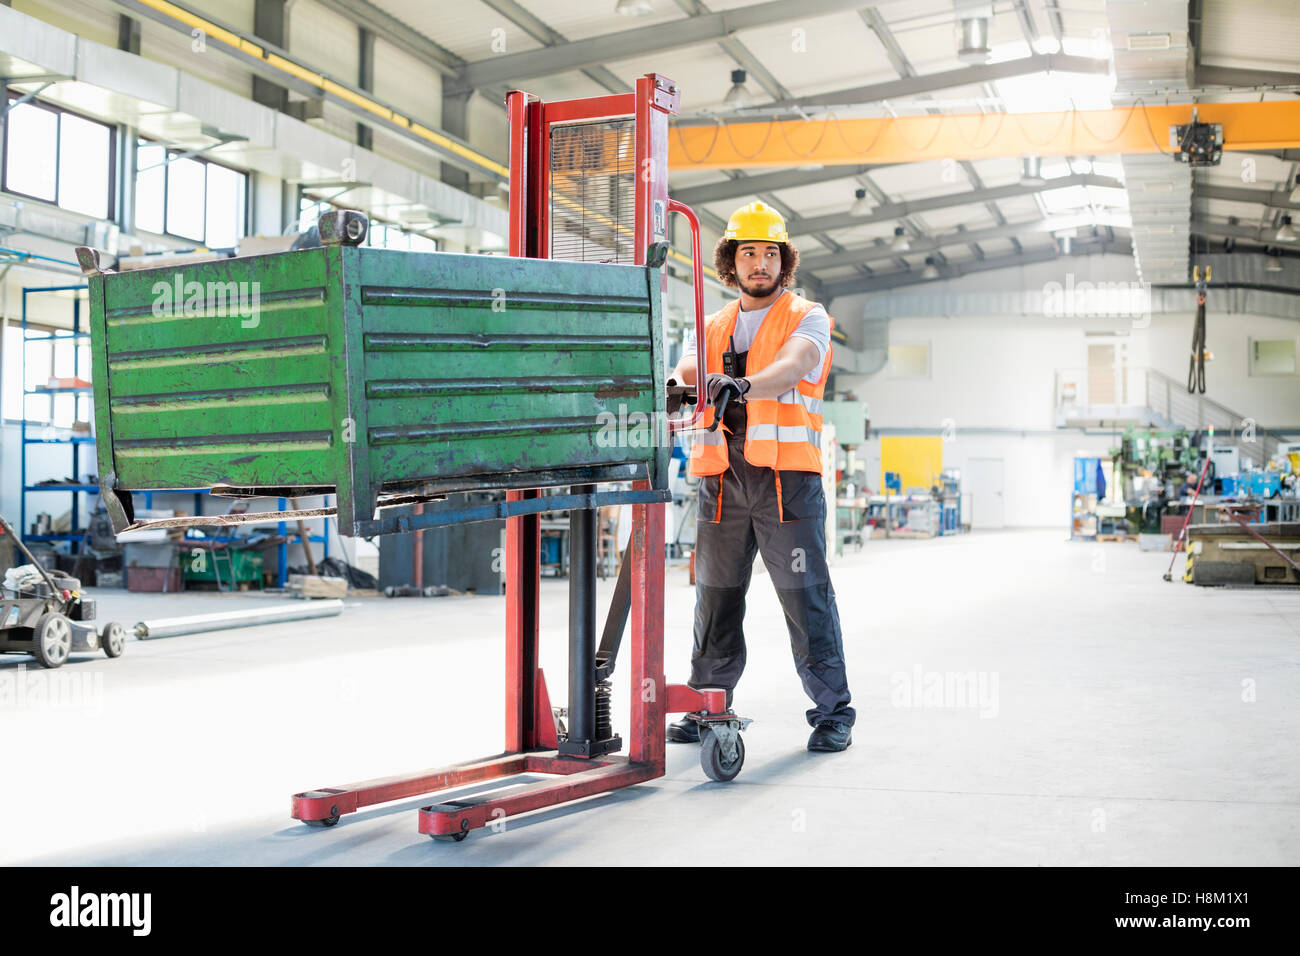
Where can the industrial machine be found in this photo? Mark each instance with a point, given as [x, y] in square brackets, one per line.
[1242, 550]
[1152, 468]
[389, 378]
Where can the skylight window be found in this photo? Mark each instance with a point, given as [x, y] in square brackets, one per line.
[1067, 199]
[1113, 170]
[1086, 219]
[1055, 168]
[1055, 92]
[1097, 45]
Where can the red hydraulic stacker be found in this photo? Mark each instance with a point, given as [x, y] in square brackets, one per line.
[578, 168]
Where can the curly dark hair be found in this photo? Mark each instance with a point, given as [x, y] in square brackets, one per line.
[724, 262]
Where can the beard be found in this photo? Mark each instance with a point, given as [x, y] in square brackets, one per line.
[759, 287]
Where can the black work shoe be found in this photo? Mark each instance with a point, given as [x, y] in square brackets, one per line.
[830, 736]
[684, 731]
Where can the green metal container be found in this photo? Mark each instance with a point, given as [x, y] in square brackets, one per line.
[241, 566]
[379, 376]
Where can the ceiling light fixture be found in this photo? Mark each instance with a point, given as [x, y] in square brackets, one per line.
[634, 8]
[1273, 263]
[860, 205]
[930, 271]
[1284, 232]
[900, 242]
[738, 96]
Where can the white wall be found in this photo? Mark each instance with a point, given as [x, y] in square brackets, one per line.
[997, 373]
[994, 371]
[1037, 469]
[1273, 401]
[408, 84]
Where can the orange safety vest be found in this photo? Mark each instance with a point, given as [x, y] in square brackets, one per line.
[784, 433]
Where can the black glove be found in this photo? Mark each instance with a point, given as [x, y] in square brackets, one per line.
[717, 381]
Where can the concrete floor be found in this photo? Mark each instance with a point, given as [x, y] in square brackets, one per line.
[1123, 721]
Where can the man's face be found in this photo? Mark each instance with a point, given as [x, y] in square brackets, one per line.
[758, 267]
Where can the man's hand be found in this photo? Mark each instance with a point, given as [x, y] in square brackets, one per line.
[718, 381]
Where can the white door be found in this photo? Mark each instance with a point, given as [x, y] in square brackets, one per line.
[1108, 372]
[983, 480]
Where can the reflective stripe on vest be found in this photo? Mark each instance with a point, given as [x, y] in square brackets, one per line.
[796, 397]
[797, 434]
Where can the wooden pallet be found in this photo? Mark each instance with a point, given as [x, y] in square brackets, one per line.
[1116, 537]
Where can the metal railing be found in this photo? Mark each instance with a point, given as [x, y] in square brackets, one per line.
[1116, 393]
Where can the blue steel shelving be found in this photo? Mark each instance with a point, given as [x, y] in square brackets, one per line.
[76, 534]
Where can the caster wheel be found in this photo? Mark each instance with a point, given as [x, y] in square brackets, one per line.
[52, 640]
[113, 638]
[716, 767]
[328, 821]
[450, 837]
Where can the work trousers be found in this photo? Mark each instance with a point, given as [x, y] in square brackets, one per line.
[794, 550]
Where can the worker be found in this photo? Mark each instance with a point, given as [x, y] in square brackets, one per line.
[760, 474]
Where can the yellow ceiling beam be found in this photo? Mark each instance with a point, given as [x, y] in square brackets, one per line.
[833, 141]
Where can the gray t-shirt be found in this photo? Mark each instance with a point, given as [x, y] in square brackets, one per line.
[815, 327]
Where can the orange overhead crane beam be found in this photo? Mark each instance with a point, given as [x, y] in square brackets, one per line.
[833, 141]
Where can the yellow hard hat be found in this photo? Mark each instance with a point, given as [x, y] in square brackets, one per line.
[756, 222]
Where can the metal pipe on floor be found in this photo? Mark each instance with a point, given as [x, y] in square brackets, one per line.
[227, 620]
[418, 550]
[582, 621]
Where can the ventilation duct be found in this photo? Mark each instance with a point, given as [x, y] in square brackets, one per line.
[1243, 285]
[875, 344]
[1150, 43]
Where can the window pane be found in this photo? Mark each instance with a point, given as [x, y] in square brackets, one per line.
[65, 405]
[64, 353]
[1275, 357]
[83, 166]
[225, 206]
[31, 160]
[149, 185]
[309, 210]
[185, 199]
[909, 361]
[423, 244]
[11, 374]
[37, 364]
[38, 408]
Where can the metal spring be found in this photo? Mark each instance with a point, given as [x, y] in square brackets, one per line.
[604, 717]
